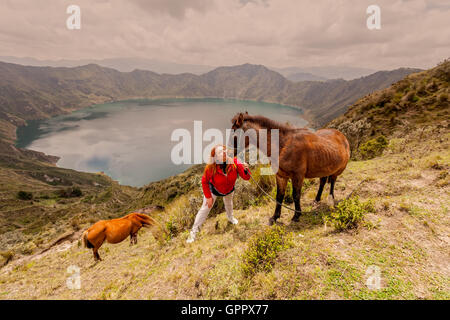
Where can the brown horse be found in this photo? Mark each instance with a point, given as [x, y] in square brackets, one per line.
[302, 154]
[116, 230]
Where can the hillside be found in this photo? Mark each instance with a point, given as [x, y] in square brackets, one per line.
[40, 202]
[304, 76]
[416, 101]
[407, 238]
[404, 182]
[327, 72]
[120, 64]
[38, 92]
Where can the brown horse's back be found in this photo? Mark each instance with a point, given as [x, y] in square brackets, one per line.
[113, 231]
[331, 154]
[118, 230]
[316, 154]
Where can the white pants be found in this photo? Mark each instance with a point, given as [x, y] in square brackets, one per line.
[204, 210]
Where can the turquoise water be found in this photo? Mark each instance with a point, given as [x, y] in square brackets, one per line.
[131, 140]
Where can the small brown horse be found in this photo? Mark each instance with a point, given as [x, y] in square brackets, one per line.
[302, 154]
[116, 230]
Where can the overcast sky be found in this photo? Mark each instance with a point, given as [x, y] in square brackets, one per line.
[278, 33]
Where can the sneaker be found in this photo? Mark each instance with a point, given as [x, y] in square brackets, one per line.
[233, 220]
[191, 237]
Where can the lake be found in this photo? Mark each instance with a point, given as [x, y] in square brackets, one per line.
[131, 140]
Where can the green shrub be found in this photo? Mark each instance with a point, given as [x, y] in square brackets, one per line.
[349, 213]
[24, 195]
[263, 249]
[171, 229]
[70, 192]
[76, 192]
[373, 148]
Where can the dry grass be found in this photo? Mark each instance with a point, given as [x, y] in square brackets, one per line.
[407, 238]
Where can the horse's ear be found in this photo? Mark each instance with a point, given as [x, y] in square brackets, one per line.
[246, 112]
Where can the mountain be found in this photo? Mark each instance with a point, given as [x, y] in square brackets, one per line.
[399, 250]
[328, 72]
[323, 101]
[304, 76]
[159, 66]
[39, 92]
[120, 64]
[418, 100]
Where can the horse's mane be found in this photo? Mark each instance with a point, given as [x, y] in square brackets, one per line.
[269, 123]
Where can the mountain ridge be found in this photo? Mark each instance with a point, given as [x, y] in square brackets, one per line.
[28, 93]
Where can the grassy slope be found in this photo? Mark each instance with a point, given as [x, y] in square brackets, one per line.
[407, 237]
[418, 100]
[409, 243]
[28, 226]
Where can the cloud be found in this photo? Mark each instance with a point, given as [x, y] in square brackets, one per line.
[275, 33]
[174, 8]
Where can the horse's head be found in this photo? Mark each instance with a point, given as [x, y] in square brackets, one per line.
[238, 122]
[158, 231]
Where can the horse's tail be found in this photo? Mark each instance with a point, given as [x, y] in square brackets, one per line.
[86, 242]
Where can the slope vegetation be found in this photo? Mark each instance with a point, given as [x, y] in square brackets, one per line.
[402, 236]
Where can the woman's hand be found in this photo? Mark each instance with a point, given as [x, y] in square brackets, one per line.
[209, 202]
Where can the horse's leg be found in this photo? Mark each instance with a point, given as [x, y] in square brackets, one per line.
[323, 180]
[296, 194]
[97, 246]
[96, 255]
[281, 188]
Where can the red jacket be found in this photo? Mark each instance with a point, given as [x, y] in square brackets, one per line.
[221, 182]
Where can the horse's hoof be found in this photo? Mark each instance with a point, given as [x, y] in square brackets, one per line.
[295, 219]
[271, 221]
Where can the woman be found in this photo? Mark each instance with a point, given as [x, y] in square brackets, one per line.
[218, 179]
